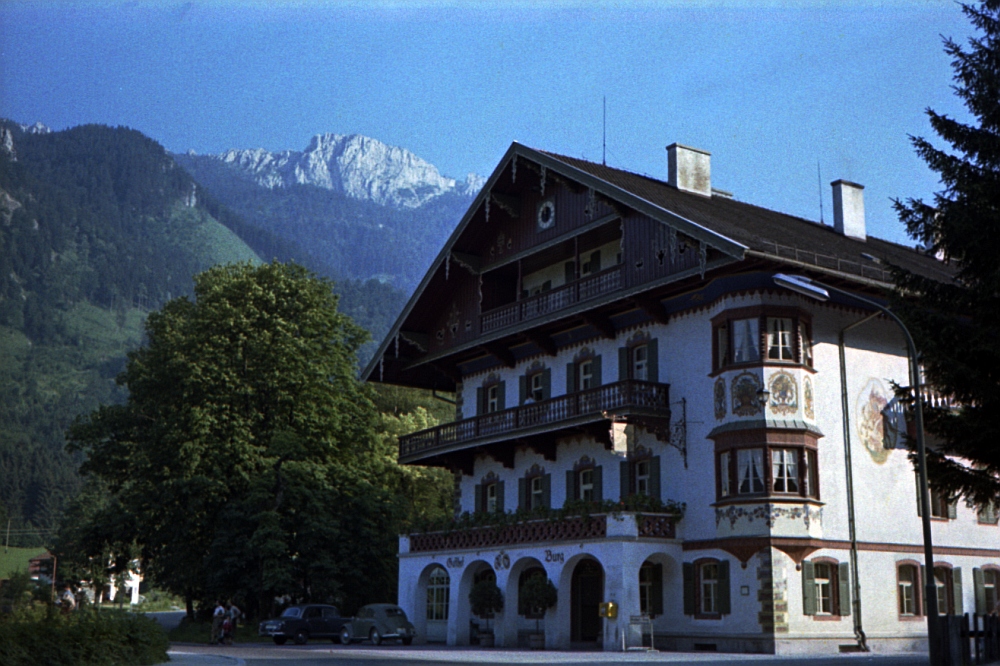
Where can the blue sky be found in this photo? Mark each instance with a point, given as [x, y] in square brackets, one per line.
[770, 88]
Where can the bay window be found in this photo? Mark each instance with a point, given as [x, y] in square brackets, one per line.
[738, 340]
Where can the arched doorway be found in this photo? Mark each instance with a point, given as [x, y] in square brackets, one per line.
[586, 595]
[437, 607]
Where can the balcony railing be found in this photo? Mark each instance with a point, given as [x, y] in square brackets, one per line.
[575, 528]
[623, 396]
[539, 305]
[898, 417]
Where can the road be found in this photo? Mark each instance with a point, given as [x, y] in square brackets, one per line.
[336, 655]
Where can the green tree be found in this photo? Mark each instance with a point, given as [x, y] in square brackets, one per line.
[245, 457]
[955, 324]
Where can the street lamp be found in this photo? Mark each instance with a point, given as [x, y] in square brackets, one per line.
[821, 292]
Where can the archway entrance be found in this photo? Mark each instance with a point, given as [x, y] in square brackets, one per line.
[587, 593]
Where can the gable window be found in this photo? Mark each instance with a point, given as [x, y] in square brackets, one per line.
[706, 588]
[437, 594]
[908, 584]
[738, 339]
[826, 588]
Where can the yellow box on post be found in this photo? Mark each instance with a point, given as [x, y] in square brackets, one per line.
[609, 609]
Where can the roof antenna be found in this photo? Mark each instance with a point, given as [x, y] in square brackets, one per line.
[604, 132]
[819, 185]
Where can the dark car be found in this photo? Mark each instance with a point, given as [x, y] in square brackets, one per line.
[301, 623]
[378, 622]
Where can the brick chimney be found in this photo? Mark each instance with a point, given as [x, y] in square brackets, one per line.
[849, 209]
[689, 169]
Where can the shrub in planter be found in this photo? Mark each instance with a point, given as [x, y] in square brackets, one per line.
[534, 598]
[486, 600]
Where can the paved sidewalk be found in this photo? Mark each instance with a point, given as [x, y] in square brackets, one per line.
[180, 657]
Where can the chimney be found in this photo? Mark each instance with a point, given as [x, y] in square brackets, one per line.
[689, 169]
[849, 209]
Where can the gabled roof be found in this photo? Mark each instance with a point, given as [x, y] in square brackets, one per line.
[736, 229]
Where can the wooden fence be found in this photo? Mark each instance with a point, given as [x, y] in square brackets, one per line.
[970, 639]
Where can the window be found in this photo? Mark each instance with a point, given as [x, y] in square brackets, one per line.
[709, 588]
[491, 497]
[642, 477]
[491, 396]
[639, 362]
[706, 588]
[810, 484]
[750, 471]
[987, 588]
[784, 470]
[738, 340]
[585, 375]
[493, 399]
[988, 515]
[824, 578]
[585, 488]
[941, 506]
[537, 496]
[826, 588]
[437, 594]
[537, 391]
[745, 341]
[779, 339]
[948, 581]
[725, 490]
[908, 582]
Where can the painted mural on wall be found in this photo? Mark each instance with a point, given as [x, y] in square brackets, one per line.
[720, 399]
[870, 421]
[784, 394]
[807, 398]
[744, 389]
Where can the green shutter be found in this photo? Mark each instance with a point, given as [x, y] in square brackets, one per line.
[500, 504]
[522, 494]
[657, 590]
[808, 588]
[625, 476]
[952, 509]
[479, 498]
[623, 369]
[522, 389]
[547, 491]
[595, 368]
[979, 584]
[502, 396]
[844, 588]
[956, 590]
[570, 485]
[546, 383]
[920, 506]
[480, 401]
[652, 361]
[724, 605]
[570, 378]
[923, 590]
[654, 478]
[689, 607]
[598, 485]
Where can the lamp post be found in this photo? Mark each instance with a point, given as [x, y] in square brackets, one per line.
[821, 292]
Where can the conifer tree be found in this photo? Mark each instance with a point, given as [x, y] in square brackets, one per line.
[957, 325]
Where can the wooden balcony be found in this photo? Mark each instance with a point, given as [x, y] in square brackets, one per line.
[574, 528]
[629, 397]
[540, 305]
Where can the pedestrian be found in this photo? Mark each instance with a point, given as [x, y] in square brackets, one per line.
[218, 615]
[67, 600]
[233, 614]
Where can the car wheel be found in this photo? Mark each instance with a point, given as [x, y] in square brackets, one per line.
[408, 640]
[279, 640]
[345, 636]
[301, 638]
[375, 637]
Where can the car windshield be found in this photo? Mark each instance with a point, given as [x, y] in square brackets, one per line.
[394, 612]
[292, 612]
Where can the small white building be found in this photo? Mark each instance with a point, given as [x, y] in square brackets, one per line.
[616, 341]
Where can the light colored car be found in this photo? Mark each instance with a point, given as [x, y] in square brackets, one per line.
[378, 622]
